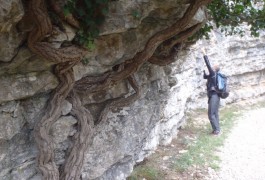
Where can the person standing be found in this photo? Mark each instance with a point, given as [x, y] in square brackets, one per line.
[213, 98]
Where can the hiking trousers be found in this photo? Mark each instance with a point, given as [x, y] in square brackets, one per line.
[213, 111]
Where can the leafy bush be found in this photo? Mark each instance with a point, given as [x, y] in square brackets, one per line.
[90, 14]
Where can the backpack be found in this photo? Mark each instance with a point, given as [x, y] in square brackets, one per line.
[221, 85]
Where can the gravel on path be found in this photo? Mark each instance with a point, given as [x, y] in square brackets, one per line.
[243, 154]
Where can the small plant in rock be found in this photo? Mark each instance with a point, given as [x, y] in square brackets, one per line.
[91, 15]
[136, 14]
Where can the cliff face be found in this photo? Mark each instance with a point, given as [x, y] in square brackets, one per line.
[241, 59]
[133, 132]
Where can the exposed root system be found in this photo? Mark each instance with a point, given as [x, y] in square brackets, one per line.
[67, 57]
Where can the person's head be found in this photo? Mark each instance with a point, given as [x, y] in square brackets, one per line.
[216, 68]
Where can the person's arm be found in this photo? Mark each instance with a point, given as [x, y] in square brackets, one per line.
[210, 69]
[205, 76]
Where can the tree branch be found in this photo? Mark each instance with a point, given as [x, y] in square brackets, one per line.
[68, 18]
[121, 101]
[82, 139]
[43, 140]
[132, 65]
[179, 38]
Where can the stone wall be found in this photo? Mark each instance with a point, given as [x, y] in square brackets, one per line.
[133, 132]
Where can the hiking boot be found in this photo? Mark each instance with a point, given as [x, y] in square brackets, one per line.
[216, 133]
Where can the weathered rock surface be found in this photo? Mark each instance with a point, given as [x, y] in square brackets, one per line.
[241, 58]
[25, 62]
[11, 120]
[20, 86]
[133, 132]
[131, 33]
[10, 13]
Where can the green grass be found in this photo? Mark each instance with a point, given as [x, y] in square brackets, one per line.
[201, 153]
[147, 172]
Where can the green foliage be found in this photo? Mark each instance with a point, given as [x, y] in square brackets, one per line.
[86, 39]
[230, 14]
[90, 14]
[145, 172]
[85, 61]
[202, 33]
[136, 14]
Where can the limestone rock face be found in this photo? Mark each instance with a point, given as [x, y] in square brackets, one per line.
[10, 13]
[11, 120]
[23, 86]
[241, 59]
[131, 133]
[128, 27]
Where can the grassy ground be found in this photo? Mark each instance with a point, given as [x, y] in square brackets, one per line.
[192, 153]
[201, 153]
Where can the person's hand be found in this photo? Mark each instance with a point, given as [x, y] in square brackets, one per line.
[203, 51]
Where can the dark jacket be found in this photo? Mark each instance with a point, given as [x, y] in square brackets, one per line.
[211, 77]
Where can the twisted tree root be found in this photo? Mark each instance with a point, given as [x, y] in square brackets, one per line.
[67, 58]
[132, 65]
[182, 36]
[120, 102]
[43, 140]
[74, 162]
[42, 29]
[86, 128]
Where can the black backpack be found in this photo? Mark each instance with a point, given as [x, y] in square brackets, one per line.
[221, 85]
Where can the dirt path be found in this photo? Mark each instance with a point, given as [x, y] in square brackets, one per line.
[243, 154]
